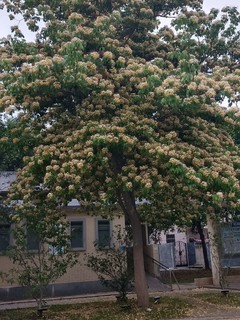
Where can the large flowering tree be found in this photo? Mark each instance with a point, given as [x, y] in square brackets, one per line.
[130, 111]
[15, 142]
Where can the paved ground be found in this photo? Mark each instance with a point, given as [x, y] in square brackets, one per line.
[204, 310]
[9, 305]
[155, 288]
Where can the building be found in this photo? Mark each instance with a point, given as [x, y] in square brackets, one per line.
[84, 230]
[177, 247]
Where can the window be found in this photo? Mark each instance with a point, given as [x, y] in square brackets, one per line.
[103, 233]
[76, 234]
[170, 238]
[32, 239]
[4, 237]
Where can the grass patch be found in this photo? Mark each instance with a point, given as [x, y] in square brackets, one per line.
[231, 300]
[18, 314]
[168, 308]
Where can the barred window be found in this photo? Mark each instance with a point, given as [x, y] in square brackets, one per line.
[103, 233]
[170, 238]
[33, 243]
[4, 237]
[76, 234]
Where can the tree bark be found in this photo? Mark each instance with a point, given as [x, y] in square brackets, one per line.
[127, 202]
[138, 257]
[204, 247]
[214, 238]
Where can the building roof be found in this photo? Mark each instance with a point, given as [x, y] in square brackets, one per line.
[6, 178]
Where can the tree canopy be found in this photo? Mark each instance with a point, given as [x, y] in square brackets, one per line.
[130, 111]
[17, 139]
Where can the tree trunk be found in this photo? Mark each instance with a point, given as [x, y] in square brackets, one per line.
[128, 205]
[204, 247]
[138, 258]
[214, 238]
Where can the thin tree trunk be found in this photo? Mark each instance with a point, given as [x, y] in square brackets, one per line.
[204, 247]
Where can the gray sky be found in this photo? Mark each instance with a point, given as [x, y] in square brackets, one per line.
[5, 23]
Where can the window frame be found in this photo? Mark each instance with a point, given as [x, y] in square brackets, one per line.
[97, 233]
[171, 238]
[35, 250]
[3, 251]
[77, 219]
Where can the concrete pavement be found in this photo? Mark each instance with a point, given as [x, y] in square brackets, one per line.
[204, 311]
